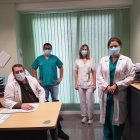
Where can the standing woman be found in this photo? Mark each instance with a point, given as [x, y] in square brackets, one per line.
[85, 82]
[114, 74]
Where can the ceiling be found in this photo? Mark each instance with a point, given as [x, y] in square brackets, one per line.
[34, 1]
[66, 5]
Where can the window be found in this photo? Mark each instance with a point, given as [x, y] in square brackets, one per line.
[67, 32]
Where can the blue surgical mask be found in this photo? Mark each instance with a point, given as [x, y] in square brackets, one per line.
[20, 76]
[114, 50]
[47, 52]
[84, 53]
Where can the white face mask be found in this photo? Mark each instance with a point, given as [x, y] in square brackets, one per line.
[47, 52]
[114, 50]
[84, 53]
[20, 76]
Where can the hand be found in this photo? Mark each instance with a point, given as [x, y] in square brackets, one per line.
[76, 87]
[26, 107]
[113, 89]
[58, 80]
[94, 88]
[39, 81]
[108, 89]
[115, 92]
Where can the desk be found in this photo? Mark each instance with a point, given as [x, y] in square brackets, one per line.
[34, 120]
[132, 124]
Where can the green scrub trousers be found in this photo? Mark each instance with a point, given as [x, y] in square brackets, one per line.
[111, 132]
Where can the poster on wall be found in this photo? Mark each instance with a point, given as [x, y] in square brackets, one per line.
[20, 57]
[4, 58]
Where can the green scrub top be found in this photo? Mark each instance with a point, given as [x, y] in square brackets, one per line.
[47, 69]
[112, 68]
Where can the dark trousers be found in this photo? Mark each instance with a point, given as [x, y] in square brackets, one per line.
[55, 132]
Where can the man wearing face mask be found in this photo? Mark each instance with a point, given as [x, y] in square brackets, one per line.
[26, 89]
[114, 74]
[48, 64]
[23, 89]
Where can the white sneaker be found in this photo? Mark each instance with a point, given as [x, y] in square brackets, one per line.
[90, 121]
[84, 120]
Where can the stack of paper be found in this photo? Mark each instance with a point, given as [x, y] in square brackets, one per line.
[2, 85]
[4, 117]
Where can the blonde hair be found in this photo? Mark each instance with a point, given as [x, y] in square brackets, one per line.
[88, 52]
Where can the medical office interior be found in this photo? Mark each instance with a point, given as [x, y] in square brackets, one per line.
[25, 25]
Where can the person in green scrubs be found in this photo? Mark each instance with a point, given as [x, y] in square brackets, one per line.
[110, 130]
[47, 64]
[114, 74]
[48, 79]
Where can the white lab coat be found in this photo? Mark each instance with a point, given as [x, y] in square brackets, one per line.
[12, 93]
[123, 77]
[11, 76]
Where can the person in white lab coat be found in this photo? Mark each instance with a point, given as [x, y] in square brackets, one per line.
[85, 82]
[15, 96]
[11, 76]
[114, 74]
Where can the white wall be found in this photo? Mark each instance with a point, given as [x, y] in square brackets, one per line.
[9, 26]
[135, 31]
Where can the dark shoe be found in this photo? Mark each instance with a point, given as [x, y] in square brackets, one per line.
[63, 136]
[60, 118]
[55, 101]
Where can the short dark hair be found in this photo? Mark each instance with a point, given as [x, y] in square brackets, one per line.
[114, 39]
[17, 65]
[48, 44]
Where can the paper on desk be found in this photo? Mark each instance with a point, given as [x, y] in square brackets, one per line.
[4, 117]
[136, 83]
[10, 111]
[4, 57]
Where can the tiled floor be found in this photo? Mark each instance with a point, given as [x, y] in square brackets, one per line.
[72, 126]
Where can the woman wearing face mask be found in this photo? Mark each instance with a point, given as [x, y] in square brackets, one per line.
[85, 82]
[114, 74]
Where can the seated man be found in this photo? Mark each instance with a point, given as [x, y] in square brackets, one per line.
[25, 89]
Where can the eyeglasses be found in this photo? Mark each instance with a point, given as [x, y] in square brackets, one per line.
[20, 71]
[47, 48]
[113, 46]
